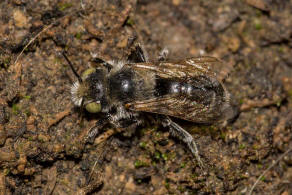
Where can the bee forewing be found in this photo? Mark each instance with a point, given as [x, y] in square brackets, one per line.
[204, 103]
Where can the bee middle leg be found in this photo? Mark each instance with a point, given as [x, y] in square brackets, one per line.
[121, 122]
[126, 127]
[96, 129]
[187, 138]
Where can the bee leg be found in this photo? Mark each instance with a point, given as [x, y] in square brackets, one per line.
[138, 54]
[107, 65]
[178, 131]
[163, 55]
[126, 130]
[96, 130]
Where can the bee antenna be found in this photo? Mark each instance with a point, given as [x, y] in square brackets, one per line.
[72, 68]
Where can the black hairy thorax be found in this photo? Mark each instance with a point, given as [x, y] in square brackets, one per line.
[127, 85]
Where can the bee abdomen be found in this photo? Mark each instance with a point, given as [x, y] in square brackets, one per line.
[199, 90]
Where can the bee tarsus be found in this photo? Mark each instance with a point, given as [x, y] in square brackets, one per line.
[183, 135]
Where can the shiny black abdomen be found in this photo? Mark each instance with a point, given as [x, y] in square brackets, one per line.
[201, 90]
[124, 86]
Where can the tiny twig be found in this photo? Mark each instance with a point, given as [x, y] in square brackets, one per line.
[100, 158]
[35, 37]
[58, 117]
[271, 166]
[249, 104]
[91, 172]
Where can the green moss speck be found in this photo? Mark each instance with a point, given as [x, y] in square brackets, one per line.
[139, 181]
[157, 155]
[30, 138]
[27, 97]
[27, 113]
[157, 135]
[63, 6]
[139, 163]
[290, 94]
[259, 166]
[194, 176]
[181, 188]
[57, 60]
[281, 49]
[164, 156]
[166, 184]
[130, 22]
[172, 155]
[143, 145]
[255, 147]
[78, 35]
[222, 135]
[15, 109]
[241, 146]
[6, 171]
[183, 165]
[278, 103]
[5, 63]
[258, 26]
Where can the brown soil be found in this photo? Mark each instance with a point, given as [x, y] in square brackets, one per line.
[41, 147]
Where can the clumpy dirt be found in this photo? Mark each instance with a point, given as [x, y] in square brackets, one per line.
[41, 137]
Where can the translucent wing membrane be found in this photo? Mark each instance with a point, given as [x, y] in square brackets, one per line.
[197, 96]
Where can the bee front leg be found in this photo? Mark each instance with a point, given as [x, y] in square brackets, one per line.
[179, 132]
[96, 130]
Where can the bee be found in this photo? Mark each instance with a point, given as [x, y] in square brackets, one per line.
[121, 91]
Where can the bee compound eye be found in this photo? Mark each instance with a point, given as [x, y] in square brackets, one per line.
[87, 72]
[93, 107]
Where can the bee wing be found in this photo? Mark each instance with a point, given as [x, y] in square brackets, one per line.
[175, 105]
[183, 69]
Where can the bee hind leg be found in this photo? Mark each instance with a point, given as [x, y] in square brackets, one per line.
[187, 138]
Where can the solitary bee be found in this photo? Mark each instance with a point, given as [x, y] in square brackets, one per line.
[122, 90]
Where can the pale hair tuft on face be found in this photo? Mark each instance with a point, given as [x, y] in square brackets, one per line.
[77, 100]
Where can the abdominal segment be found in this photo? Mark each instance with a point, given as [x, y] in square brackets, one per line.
[200, 90]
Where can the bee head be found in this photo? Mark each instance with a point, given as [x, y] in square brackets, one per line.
[89, 90]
